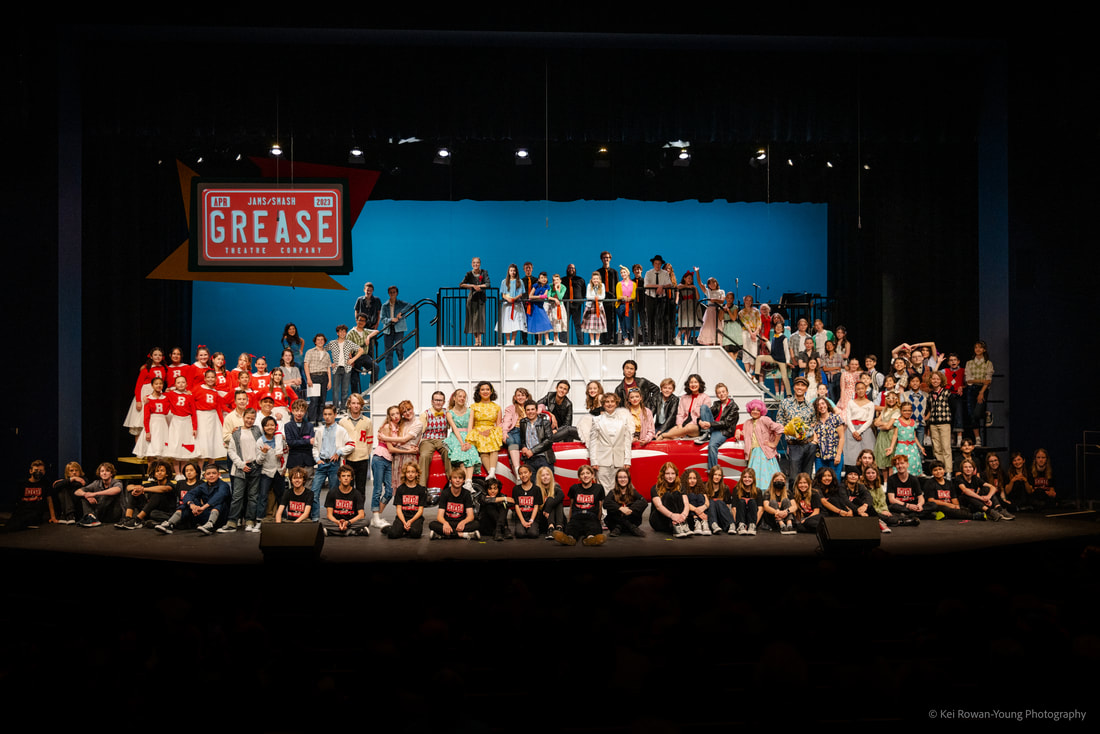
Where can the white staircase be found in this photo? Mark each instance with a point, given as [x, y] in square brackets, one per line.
[539, 369]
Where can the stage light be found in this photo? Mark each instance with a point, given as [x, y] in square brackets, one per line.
[828, 164]
[602, 158]
[442, 157]
[682, 159]
[759, 158]
[522, 157]
[355, 155]
[275, 150]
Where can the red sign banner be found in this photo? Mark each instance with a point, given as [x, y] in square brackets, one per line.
[258, 226]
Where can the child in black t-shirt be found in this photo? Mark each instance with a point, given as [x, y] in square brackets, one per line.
[35, 505]
[156, 492]
[409, 500]
[942, 496]
[527, 500]
[456, 511]
[904, 496]
[295, 504]
[586, 499]
[495, 505]
[344, 507]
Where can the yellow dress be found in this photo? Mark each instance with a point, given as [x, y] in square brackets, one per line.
[486, 415]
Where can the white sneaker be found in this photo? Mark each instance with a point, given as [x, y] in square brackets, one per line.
[752, 529]
[433, 535]
[253, 528]
[702, 529]
[476, 535]
[681, 530]
[715, 528]
[884, 527]
[376, 521]
[742, 529]
[733, 529]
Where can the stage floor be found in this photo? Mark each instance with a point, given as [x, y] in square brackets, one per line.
[188, 546]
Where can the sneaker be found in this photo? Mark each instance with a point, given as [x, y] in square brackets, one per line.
[742, 529]
[704, 438]
[681, 530]
[252, 527]
[595, 539]
[433, 535]
[121, 524]
[564, 539]
[715, 528]
[229, 527]
[787, 528]
[206, 528]
[939, 515]
[977, 442]
[165, 528]
[476, 535]
[702, 529]
[1006, 515]
[994, 514]
[616, 531]
[734, 528]
[67, 520]
[752, 529]
[883, 527]
[377, 522]
[634, 530]
[131, 523]
[90, 521]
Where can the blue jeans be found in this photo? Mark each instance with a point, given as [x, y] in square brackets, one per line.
[381, 471]
[341, 386]
[975, 411]
[627, 322]
[328, 469]
[391, 339]
[242, 487]
[717, 438]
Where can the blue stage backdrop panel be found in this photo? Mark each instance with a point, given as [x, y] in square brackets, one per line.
[420, 246]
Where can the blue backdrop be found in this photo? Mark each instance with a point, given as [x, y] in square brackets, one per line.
[420, 246]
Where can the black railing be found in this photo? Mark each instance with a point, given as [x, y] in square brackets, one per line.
[412, 334]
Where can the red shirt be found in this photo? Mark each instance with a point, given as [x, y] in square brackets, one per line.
[155, 406]
[182, 404]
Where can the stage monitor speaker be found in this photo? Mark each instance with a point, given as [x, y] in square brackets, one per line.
[848, 535]
[287, 541]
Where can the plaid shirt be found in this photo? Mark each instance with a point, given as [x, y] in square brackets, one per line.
[939, 407]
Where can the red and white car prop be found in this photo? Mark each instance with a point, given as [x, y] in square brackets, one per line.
[646, 461]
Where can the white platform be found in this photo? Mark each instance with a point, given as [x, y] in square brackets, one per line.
[540, 368]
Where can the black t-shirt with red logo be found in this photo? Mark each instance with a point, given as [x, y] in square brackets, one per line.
[34, 490]
[410, 499]
[586, 500]
[906, 492]
[527, 500]
[345, 505]
[298, 504]
[454, 508]
[943, 492]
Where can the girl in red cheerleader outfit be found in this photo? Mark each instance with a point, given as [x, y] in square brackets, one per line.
[198, 369]
[153, 367]
[183, 427]
[244, 364]
[208, 409]
[283, 396]
[176, 368]
[152, 443]
[222, 383]
[261, 378]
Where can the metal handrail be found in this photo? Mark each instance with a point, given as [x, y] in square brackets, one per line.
[414, 333]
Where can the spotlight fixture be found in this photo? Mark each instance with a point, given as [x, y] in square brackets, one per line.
[682, 159]
[442, 157]
[355, 155]
[523, 157]
[275, 150]
[602, 158]
[828, 164]
[759, 158]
